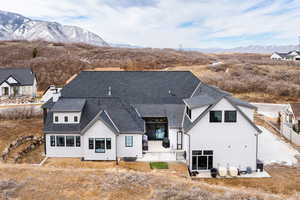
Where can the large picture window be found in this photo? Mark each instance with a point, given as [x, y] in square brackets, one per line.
[128, 141]
[52, 141]
[202, 160]
[215, 116]
[60, 140]
[70, 141]
[100, 145]
[230, 116]
[156, 128]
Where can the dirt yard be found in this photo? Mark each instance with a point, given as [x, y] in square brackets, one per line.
[10, 130]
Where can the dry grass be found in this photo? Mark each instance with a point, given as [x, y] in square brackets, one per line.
[85, 183]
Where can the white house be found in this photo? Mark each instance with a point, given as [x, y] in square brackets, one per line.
[290, 123]
[51, 91]
[290, 56]
[150, 115]
[17, 82]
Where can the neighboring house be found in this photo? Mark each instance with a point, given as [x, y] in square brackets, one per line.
[17, 82]
[150, 116]
[290, 56]
[51, 91]
[290, 123]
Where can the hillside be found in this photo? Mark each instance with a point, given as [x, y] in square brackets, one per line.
[55, 63]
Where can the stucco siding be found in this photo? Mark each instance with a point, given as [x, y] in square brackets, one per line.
[63, 151]
[99, 130]
[233, 144]
[135, 151]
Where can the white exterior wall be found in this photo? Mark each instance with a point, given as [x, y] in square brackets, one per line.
[135, 151]
[196, 112]
[233, 144]
[4, 84]
[30, 90]
[64, 151]
[99, 130]
[61, 117]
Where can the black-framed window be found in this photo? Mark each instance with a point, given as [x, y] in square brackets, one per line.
[56, 118]
[75, 118]
[52, 141]
[189, 112]
[202, 160]
[215, 116]
[99, 145]
[128, 141]
[66, 118]
[78, 143]
[60, 141]
[91, 143]
[70, 142]
[230, 116]
[108, 143]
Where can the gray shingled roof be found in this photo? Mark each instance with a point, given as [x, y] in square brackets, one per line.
[199, 101]
[135, 95]
[134, 87]
[24, 76]
[122, 115]
[68, 105]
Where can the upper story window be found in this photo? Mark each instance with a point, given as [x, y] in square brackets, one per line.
[215, 116]
[75, 118]
[56, 118]
[66, 118]
[189, 112]
[230, 116]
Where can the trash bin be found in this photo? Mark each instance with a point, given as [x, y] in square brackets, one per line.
[214, 172]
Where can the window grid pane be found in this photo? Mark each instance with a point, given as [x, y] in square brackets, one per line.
[215, 116]
[70, 141]
[60, 141]
[230, 116]
[52, 141]
[128, 141]
[78, 141]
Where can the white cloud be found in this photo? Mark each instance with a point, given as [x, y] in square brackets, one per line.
[205, 23]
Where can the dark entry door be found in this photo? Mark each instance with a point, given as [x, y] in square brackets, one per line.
[5, 91]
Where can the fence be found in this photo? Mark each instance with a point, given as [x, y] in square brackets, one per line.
[290, 134]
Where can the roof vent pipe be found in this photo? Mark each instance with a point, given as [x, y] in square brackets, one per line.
[109, 91]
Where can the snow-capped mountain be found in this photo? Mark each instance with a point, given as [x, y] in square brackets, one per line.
[15, 26]
[249, 49]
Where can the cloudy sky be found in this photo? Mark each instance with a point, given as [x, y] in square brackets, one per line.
[171, 23]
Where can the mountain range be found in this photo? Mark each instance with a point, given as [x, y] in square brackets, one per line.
[17, 27]
[248, 49]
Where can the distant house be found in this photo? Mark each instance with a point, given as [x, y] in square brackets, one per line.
[150, 116]
[290, 122]
[50, 92]
[290, 56]
[17, 82]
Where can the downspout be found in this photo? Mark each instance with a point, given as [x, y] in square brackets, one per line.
[116, 141]
[256, 150]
